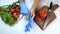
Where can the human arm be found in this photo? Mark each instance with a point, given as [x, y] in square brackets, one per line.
[34, 8]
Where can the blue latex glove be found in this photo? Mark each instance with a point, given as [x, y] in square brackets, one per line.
[26, 11]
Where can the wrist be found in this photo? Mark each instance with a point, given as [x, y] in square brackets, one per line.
[32, 8]
[21, 0]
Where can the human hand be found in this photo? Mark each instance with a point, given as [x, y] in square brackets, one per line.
[32, 12]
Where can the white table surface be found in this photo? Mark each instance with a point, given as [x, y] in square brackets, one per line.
[18, 28]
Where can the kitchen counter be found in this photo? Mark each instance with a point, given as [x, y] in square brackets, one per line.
[18, 28]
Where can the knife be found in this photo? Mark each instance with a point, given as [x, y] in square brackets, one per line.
[48, 16]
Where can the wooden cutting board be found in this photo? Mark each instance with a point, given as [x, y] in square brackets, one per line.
[40, 22]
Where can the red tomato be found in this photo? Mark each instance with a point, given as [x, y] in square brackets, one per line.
[17, 9]
[43, 13]
[16, 15]
[12, 10]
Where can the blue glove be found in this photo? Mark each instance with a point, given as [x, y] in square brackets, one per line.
[26, 11]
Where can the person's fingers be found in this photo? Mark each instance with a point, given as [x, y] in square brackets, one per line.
[33, 16]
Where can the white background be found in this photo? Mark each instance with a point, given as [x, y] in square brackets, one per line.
[18, 28]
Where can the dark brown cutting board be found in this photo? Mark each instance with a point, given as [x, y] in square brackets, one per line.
[40, 22]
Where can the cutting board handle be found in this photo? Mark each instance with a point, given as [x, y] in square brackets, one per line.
[54, 7]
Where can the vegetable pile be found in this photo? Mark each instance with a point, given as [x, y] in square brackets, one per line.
[10, 13]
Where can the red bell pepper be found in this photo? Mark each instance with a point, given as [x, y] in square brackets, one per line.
[43, 13]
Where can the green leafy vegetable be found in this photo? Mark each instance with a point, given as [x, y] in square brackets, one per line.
[6, 15]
